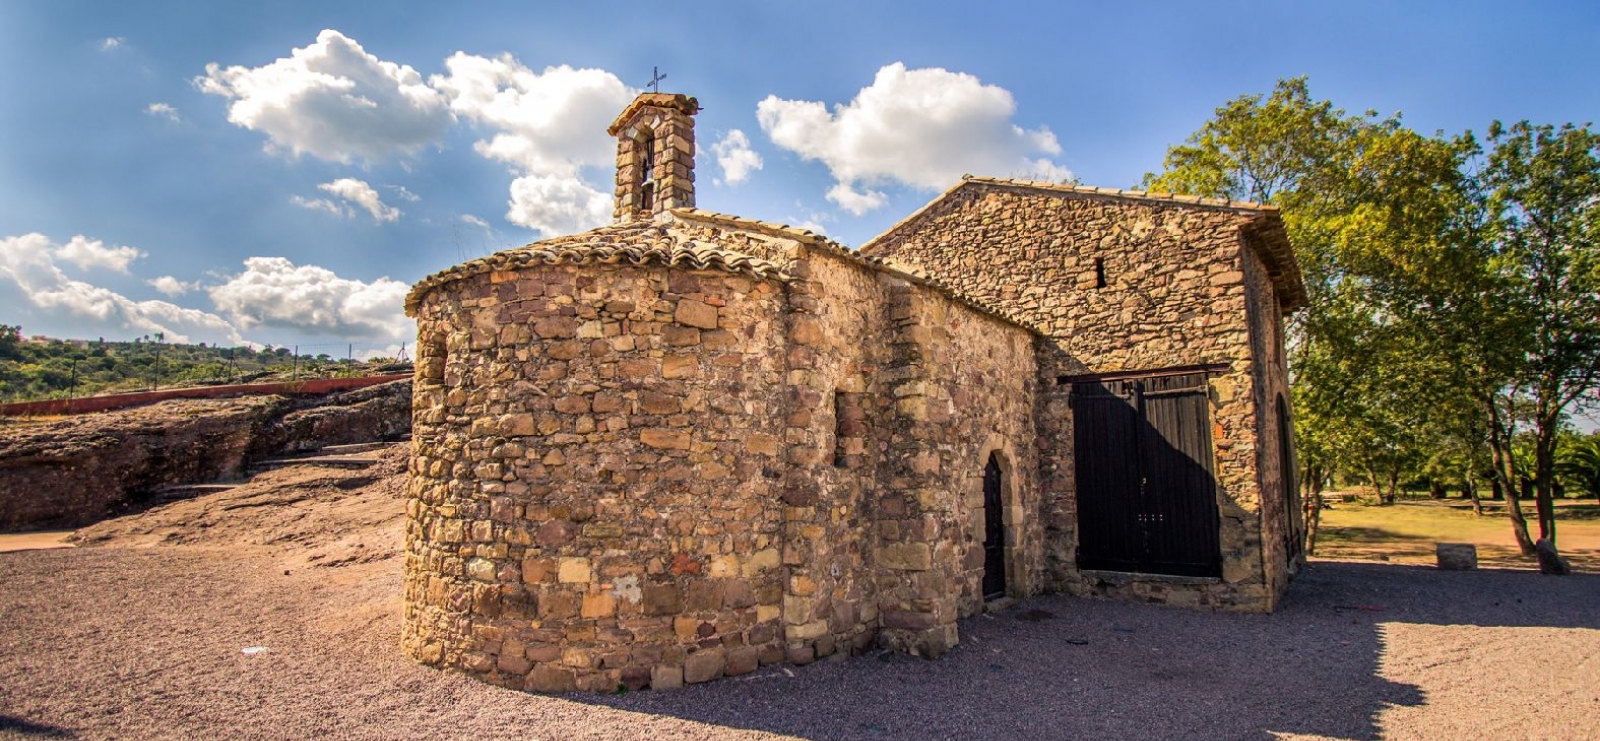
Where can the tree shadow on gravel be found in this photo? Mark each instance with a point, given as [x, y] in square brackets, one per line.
[24, 728]
[1058, 667]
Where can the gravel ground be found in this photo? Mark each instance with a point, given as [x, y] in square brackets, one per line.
[144, 640]
[146, 643]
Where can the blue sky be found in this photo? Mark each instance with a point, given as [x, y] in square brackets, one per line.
[337, 152]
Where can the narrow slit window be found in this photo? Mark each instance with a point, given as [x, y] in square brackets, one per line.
[840, 410]
[432, 357]
[1099, 272]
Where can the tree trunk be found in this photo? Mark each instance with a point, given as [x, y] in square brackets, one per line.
[1496, 492]
[1472, 491]
[1519, 522]
[1544, 454]
[1436, 489]
[1313, 481]
[1504, 474]
[1394, 486]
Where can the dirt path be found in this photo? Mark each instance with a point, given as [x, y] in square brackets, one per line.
[36, 540]
[142, 637]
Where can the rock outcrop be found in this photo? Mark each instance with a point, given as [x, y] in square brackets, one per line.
[79, 470]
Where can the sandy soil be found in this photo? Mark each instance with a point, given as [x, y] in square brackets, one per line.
[35, 540]
[141, 634]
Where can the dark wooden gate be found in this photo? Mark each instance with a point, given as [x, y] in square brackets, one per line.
[1294, 518]
[994, 532]
[1146, 487]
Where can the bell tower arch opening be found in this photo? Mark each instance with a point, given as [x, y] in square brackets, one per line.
[655, 156]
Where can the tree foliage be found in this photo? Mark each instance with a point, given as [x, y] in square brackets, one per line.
[34, 369]
[1453, 298]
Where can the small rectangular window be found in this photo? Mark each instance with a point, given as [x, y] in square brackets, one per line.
[849, 429]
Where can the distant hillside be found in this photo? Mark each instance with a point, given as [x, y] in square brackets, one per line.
[33, 369]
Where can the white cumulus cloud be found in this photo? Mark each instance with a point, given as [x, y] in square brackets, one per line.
[354, 194]
[923, 128]
[557, 205]
[333, 100]
[110, 43]
[475, 221]
[546, 125]
[275, 292]
[735, 157]
[319, 204]
[163, 110]
[358, 193]
[856, 201]
[171, 286]
[92, 253]
[27, 267]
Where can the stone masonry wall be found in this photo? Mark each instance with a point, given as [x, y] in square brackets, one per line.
[833, 459]
[649, 477]
[1280, 516]
[594, 496]
[963, 387]
[1117, 284]
[923, 390]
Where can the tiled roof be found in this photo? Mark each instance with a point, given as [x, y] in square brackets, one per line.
[635, 243]
[769, 228]
[1128, 193]
[1265, 228]
[879, 264]
[689, 106]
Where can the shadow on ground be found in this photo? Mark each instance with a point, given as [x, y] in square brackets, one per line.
[1059, 667]
[28, 729]
[112, 643]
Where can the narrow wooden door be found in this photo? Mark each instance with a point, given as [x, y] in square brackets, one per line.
[1294, 517]
[1105, 421]
[994, 532]
[1146, 488]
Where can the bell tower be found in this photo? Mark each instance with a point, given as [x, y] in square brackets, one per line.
[655, 155]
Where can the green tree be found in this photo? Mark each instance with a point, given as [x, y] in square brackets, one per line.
[1544, 198]
[10, 342]
[1332, 173]
[1578, 461]
[1400, 352]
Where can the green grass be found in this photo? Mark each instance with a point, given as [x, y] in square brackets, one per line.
[1406, 532]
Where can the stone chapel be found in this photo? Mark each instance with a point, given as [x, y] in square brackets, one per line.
[686, 444]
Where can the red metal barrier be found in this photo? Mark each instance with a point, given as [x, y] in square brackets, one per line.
[310, 386]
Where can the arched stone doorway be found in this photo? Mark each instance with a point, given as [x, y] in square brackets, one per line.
[994, 528]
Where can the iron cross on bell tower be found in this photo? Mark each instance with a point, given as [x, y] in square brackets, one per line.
[655, 79]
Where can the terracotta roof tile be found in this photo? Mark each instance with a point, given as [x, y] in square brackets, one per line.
[636, 243]
[1141, 195]
[1265, 226]
[880, 264]
[739, 222]
[689, 106]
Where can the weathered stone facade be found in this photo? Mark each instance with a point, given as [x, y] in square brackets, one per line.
[688, 444]
[1122, 281]
[676, 462]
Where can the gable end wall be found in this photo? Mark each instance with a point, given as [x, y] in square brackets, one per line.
[1174, 294]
